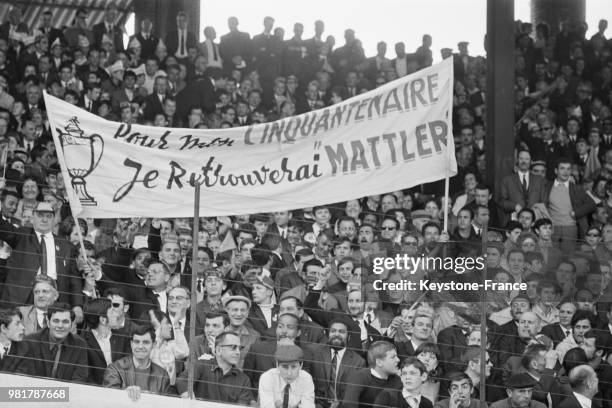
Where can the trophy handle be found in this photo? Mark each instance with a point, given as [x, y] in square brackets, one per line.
[96, 140]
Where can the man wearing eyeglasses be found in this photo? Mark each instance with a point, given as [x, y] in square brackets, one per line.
[178, 305]
[219, 379]
[37, 251]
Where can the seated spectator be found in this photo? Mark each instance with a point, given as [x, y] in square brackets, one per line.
[44, 294]
[11, 334]
[136, 371]
[219, 379]
[460, 390]
[413, 374]
[170, 346]
[54, 351]
[584, 383]
[519, 388]
[287, 385]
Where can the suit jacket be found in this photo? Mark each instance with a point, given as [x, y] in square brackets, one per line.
[120, 347]
[11, 360]
[24, 263]
[258, 320]
[172, 41]
[555, 332]
[582, 204]
[30, 319]
[505, 403]
[394, 398]
[232, 44]
[37, 358]
[452, 344]
[321, 371]
[512, 192]
[198, 92]
[147, 46]
[153, 106]
[116, 35]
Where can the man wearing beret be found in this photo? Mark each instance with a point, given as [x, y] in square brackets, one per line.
[519, 388]
[287, 385]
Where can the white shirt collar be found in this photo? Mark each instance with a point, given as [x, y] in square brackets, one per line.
[375, 374]
[583, 401]
[558, 183]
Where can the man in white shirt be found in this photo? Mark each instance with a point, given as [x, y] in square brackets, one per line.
[287, 385]
[44, 294]
[178, 303]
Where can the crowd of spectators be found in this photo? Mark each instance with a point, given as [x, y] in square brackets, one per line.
[287, 314]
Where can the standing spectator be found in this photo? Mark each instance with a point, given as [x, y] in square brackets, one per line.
[56, 260]
[210, 50]
[55, 352]
[235, 47]
[147, 38]
[267, 54]
[110, 28]
[11, 334]
[180, 40]
[219, 379]
[287, 385]
[522, 189]
[568, 205]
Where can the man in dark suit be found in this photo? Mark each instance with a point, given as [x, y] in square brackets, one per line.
[155, 295]
[11, 335]
[410, 395]
[452, 342]
[199, 91]
[13, 23]
[109, 27]
[179, 41]
[267, 53]
[235, 47]
[585, 385]
[47, 28]
[558, 332]
[521, 189]
[147, 39]
[38, 251]
[97, 313]
[39, 351]
[260, 356]
[332, 363]
[154, 103]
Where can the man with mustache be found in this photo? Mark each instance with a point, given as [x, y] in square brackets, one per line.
[260, 357]
[332, 363]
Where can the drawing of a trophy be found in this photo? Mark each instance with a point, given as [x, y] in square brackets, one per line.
[82, 154]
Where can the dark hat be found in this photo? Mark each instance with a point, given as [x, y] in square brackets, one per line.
[214, 272]
[520, 381]
[266, 282]
[462, 43]
[288, 353]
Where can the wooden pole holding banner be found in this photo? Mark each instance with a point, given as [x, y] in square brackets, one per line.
[194, 295]
[483, 322]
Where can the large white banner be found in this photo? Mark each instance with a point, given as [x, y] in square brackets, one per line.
[391, 138]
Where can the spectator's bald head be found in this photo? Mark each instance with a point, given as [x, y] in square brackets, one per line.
[583, 380]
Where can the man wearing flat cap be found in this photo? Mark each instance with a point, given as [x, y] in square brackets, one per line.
[519, 388]
[37, 251]
[237, 308]
[287, 385]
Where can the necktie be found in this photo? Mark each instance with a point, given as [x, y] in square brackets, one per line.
[334, 373]
[286, 397]
[369, 319]
[182, 43]
[58, 353]
[413, 402]
[524, 182]
[200, 285]
[43, 256]
[215, 55]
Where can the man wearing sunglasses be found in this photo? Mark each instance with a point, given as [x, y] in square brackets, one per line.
[219, 379]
